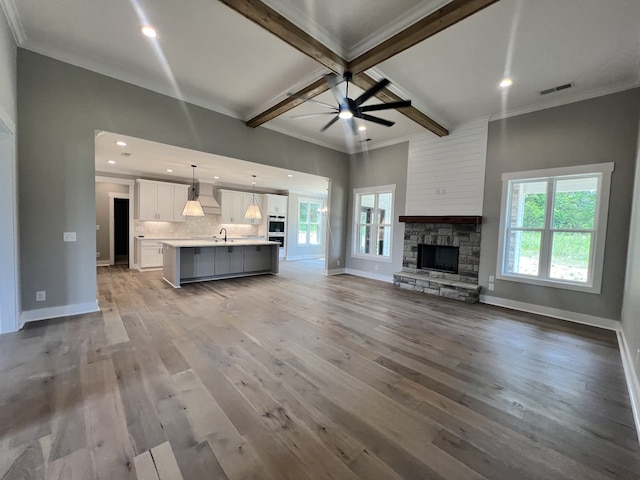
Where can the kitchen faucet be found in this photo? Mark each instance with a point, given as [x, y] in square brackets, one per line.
[225, 233]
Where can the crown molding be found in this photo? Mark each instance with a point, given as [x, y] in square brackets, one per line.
[567, 99]
[13, 19]
[411, 16]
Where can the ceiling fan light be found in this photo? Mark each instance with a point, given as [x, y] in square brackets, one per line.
[345, 114]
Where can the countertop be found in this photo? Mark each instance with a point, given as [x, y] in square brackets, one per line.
[202, 242]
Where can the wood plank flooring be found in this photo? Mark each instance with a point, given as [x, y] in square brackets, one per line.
[302, 377]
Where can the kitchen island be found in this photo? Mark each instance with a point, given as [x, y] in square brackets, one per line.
[186, 261]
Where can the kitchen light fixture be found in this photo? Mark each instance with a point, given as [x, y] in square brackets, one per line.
[253, 210]
[193, 208]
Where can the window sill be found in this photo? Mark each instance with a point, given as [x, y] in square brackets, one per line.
[373, 258]
[551, 283]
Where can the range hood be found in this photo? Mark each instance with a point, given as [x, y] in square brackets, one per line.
[209, 203]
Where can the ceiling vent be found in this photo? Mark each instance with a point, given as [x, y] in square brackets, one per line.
[556, 89]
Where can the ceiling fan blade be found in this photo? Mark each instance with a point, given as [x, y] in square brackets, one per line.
[371, 92]
[385, 106]
[373, 119]
[334, 120]
[309, 115]
[332, 81]
[354, 127]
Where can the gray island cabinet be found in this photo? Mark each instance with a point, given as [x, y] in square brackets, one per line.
[186, 261]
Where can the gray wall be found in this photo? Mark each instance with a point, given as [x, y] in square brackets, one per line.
[603, 129]
[631, 303]
[60, 107]
[383, 166]
[9, 303]
[7, 70]
[103, 242]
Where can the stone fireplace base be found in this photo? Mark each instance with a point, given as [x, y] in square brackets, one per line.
[458, 231]
[465, 292]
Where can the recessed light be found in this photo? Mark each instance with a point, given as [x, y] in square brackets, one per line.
[120, 143]
[111, 161]
[169, 170]
[216, 177]
[289, 175]
[506, 82]
[362, 128]
[149, 31]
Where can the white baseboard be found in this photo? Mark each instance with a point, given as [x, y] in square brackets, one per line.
[56, 312]
[335, 271]
[372, 276]
[103, 263]
[630, 374]
[582, 318]
[303, 257]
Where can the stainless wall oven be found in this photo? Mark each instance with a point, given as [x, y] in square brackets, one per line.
[276, 224]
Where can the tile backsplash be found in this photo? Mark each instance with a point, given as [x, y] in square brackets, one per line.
[206, 226]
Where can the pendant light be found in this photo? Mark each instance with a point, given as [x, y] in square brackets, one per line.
[253, 210]
[193, 208]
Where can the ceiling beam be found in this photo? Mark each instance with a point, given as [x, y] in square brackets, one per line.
[436, 22]
[310, 91]
[365, 82]
[273, 22]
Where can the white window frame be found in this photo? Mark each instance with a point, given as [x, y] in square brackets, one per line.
[594, 282]
[309, 201]
[357, 192]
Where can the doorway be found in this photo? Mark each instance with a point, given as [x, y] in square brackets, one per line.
[120, 238]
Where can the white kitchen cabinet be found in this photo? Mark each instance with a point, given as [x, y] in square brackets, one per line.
[276, 204]
[160, 201]
[234, 204]
[149, 253]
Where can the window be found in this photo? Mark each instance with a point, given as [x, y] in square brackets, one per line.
[552, 227]
[308, 222]
[373, 222]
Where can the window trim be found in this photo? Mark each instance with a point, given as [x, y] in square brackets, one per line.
[354, 244]
[594, 284]
[309, 200]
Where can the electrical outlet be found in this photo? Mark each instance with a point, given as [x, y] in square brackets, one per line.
[97, 254]
[491, 286]
[338, 263]
[376, 267]
[491, 278]
[69, 236]
[41, 296]
[637, 356]
[97, 227]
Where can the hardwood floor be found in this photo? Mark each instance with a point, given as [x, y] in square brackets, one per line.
[301, 376]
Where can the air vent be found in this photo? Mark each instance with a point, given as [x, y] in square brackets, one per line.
[556, 89]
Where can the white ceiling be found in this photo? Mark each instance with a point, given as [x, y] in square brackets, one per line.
[214, 57]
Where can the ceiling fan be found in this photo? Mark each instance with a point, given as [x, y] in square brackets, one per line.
[349, 109]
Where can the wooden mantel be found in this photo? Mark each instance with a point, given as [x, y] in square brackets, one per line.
[472, 219]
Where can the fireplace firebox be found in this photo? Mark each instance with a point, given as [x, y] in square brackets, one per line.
[438, 257]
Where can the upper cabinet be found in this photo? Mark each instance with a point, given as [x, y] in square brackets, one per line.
[160, 201]
[234, 204]
[276, 204]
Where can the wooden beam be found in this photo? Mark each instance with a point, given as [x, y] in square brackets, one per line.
[316, 88]
[438, 21]
[282, 28]
[459, 219]
[365, 82]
